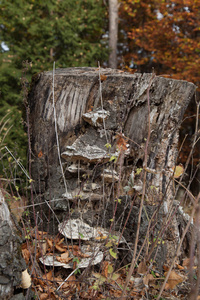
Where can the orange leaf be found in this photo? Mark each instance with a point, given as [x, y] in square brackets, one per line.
[103, 77]
[40, 154]
[105, 269]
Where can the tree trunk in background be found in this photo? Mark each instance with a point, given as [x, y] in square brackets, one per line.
[113, 33]
[85, 125]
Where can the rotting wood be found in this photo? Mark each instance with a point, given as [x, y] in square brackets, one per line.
[82, 137]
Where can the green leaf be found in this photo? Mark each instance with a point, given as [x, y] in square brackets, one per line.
[115, 276]
[109, 244]
[110, 269]
[112, 253]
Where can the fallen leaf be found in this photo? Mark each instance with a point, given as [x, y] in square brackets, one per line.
[26, 280]
[142, 268]
[82, 255]
[48, 276]
[180, 267]
[49, 242]
[64, 258]
[59, 248]
[173, 280]
[61, 241]
[178, 171]
[165, 268]
[26, 255]
[147, 279]
[186, 263]
[44, 296]
[104, 271]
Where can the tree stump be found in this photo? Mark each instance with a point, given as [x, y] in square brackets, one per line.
[102, 125]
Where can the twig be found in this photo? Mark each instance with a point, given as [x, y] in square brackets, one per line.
[18, 163]
[67, 278]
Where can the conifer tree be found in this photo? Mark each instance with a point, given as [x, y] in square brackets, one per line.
[69, 32]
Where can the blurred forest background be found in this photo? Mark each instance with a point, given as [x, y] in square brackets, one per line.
[159, 35]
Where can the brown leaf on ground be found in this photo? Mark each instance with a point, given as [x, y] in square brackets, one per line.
[49, 242]
[105, 268]
[173, 280]
[180, 267]
[147, 279]
[48, 276]
[44, 296]
[59, 248]
[142, 268]
[61, 241]
[186, 263]
[165, 268]
[82, 255]
[64, 258]
[26, 255]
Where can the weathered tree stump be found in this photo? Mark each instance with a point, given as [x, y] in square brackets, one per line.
[11, 262]
[90, 116]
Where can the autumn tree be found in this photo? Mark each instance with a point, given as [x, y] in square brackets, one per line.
[164, 35]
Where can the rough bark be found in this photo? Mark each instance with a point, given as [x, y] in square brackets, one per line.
[11, 262]
[86, 122]
[113, 33]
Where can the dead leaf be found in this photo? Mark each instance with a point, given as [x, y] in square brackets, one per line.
[48, 276]
[26, 280]
[40, 154]
[26, 255]
[59, 248]
[142, 268]
[180, 267]
[49, 242]
[64, 258]
[61, 241]
[103, 77]
[105, 269]
[165, 268]
[147, 279]
[186, 263]
[44, 296]
[82, 255]
[173, 280]
[178, 171]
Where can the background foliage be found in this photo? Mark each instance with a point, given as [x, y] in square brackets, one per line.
[40, 32]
